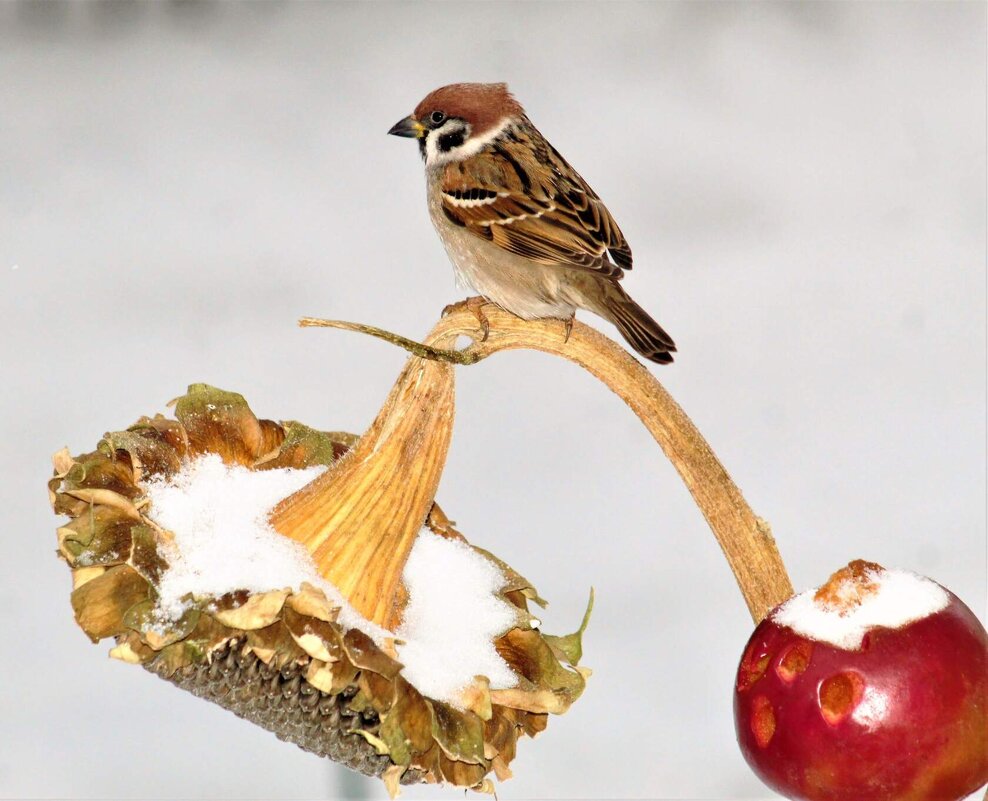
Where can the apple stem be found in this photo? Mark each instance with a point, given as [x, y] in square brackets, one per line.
[745, 538]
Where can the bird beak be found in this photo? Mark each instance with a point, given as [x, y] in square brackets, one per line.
[409, 127]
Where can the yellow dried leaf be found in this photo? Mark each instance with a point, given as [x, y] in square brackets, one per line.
[264, 654]
[501, 769]
[314, 646]
[535, 700]
[62, 462]
[83, 574]
[332, 678]
[377, 742]
[105, 497]
[461, 737]
[217, 421]
[362, 651]
[407, 726]
[312, 602]
[125, 653]
[101, 603]
[476, 697]
[319, 675]
[570, 647]
[392, 780]
[317, 638]
[141, 619]
[389, 645]
[259, 611]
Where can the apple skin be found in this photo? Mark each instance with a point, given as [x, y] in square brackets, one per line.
[905, 718]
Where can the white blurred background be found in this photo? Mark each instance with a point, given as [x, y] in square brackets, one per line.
[804, 189]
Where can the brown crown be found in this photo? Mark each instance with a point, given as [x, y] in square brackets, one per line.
[482, 105]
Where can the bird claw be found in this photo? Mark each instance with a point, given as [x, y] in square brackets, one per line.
[474, 305]
[568, 324]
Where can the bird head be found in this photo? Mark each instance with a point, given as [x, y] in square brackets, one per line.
[457, 121]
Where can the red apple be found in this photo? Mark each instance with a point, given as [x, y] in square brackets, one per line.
[873, 689]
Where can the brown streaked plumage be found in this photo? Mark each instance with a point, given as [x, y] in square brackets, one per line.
[555, 217]
[521, 226]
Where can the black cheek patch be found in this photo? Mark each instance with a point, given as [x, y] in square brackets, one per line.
[448, 141]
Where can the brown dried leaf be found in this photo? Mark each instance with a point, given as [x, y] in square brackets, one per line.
[570, 646]
[100, 604]
[100, 538]
[81, 575]
[331, 678]
[259, 611]
[105, 497]
[476, 697]
[305, 447]
[547, 686]
[363, 653]
[221, 422]
[94, 471]
[130, 649]
[169, 432]
[379, 691]
[392, 780]
[149, 452]
[274, 645]
[322, 676]
[407, 726]
[319, 639]
[145, 556]
[312, 602]
[207, 637]
[62, 462]
[462, 774]
[460, 736]
[533, 723]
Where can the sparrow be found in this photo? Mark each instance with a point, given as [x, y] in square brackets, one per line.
[519, 224]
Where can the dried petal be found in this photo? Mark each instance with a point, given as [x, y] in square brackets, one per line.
[259, 611]
[100, 604]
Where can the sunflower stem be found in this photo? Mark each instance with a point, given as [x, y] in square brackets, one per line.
[745, 539]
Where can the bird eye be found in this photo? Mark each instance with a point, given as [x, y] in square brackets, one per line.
[437, 117]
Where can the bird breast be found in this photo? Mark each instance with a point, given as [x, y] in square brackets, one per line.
[520, 285]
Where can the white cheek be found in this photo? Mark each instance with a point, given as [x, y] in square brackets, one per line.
[434, 157]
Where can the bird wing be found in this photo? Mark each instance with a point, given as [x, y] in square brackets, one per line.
[521, 195]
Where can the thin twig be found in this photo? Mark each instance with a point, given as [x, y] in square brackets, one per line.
[419, 349]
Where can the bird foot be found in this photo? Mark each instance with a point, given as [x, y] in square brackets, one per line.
[568, 328]
[474, 305]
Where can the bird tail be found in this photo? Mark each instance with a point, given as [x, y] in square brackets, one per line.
[636, 325]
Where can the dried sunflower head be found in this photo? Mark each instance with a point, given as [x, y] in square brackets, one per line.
[282, 658]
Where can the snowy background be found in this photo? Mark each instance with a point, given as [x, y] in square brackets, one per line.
[804, 189]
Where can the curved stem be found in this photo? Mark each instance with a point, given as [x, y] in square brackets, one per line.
[745, 538]
[360, 520]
